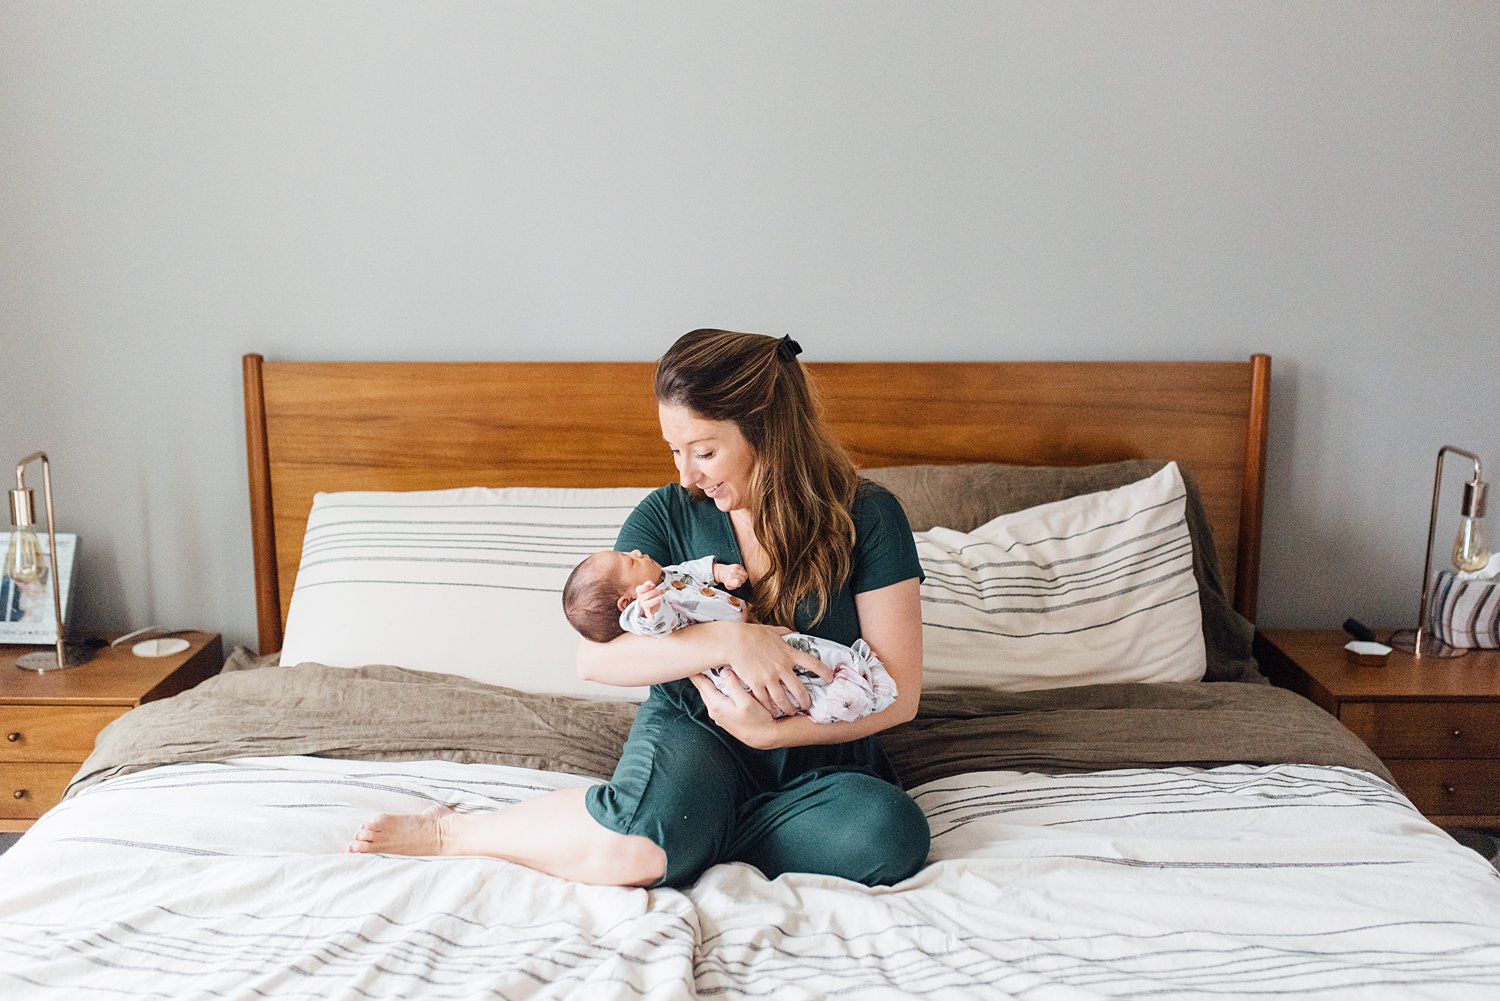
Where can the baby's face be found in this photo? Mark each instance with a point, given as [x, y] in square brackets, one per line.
[633, 568]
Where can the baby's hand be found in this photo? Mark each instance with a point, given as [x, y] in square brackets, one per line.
[649, 595]
[731, 575]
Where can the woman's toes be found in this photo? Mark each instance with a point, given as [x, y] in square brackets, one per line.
[402, 833]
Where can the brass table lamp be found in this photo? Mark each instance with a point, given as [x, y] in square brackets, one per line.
[1471, 551]
[25, 564]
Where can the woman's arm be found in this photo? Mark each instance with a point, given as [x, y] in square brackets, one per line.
[756, 652]
[629, 660]
[891, 623]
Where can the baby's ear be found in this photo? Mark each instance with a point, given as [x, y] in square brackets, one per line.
[624, 601]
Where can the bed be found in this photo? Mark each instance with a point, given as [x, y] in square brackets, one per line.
[1170, 839]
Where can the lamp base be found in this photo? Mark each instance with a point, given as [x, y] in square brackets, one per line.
[46, 660]
[1406, 639]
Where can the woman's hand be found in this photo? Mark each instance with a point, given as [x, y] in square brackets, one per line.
[737, 713]
[766, 665]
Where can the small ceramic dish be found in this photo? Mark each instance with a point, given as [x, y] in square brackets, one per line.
[159, 647]
[1366, 653]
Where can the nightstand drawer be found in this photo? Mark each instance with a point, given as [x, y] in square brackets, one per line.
[1426, 729]
[1450, 787]
[30, 789]
[52, 733]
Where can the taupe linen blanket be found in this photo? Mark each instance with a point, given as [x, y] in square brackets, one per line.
[388, 713]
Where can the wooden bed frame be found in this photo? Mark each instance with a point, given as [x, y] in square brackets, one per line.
[312, 426]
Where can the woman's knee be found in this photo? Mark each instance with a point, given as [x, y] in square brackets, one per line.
[627, 860]
[862, 829]
[666, 838]
[888, 837]
[672, 804]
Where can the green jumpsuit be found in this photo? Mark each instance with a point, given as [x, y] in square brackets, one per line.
[703, 796]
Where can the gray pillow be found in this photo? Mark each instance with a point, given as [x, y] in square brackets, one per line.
[964, 497]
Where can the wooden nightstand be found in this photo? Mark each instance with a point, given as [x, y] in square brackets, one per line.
[48, 721]
[1435, 723]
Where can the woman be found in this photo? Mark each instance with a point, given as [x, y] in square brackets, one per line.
[707, 777]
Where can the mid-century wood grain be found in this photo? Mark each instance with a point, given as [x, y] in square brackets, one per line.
[29, 789]
[53, 733]
[314, 426]
[1444, 729]
[1433, 721]
[49, 720]
[1451, 792]
[114, 677]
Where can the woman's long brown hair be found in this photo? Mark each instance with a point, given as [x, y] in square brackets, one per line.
[803, 482]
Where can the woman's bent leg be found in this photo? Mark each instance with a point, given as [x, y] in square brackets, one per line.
[552, 833]
[846, 824]
[669, 812]
[678, 785]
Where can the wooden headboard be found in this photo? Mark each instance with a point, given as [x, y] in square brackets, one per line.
[312, 426]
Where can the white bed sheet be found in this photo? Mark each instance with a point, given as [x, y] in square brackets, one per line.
[229, 881]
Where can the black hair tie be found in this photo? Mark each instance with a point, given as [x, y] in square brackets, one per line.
[787, 349]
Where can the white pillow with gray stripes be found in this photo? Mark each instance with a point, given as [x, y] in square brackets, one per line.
[465, 582]
[1093, 589]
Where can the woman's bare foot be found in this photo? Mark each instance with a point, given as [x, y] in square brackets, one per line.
[403, 833]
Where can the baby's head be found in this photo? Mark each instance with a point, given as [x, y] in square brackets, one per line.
[601, 586]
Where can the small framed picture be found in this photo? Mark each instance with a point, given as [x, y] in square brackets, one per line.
[26, 611]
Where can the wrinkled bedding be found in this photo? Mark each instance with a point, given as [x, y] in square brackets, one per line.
[1171, 841]
[392, 714]
[228, 880]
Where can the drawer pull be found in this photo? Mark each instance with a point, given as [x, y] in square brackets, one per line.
[19, 794]
[1457, 733]
[1450, 790]
[13, 737]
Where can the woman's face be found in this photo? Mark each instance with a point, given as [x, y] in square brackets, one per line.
[711, 456]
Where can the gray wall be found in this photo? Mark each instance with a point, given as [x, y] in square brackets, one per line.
[184, 182]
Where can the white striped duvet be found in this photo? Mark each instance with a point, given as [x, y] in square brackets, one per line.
[228, 881]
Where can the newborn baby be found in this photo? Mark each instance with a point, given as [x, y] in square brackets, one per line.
[605, 596]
